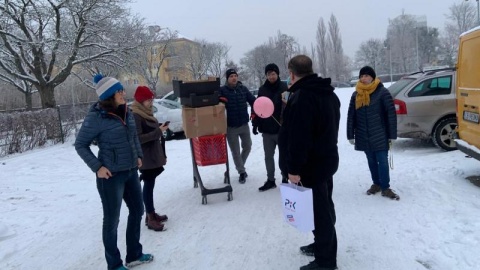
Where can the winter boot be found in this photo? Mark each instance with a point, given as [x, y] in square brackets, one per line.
[153, 224]
[159, 218]
[374, 189]
[243, 178]
[121, 268]
[145, 258]
[314, 266]
[268, 185]
[390, 194]
[307, 250]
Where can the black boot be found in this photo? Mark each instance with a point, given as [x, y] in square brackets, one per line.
[243, 178]
[268, 185]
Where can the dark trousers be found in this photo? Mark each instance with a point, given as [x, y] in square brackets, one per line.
[124, 185]
[148, 177]
[270, 142]
[325, 236]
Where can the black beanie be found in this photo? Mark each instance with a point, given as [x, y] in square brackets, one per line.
[272, 67]
[229, 72]
[366, 70]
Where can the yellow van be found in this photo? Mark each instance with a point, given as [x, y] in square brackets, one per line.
[468, 93]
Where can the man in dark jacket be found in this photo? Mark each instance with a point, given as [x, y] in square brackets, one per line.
[273, 88]
[308, 142]
[235, 96]
[372, 126]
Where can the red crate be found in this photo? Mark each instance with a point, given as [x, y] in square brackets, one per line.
[210, 150]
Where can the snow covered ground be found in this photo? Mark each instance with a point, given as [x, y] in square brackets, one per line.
[51, 215]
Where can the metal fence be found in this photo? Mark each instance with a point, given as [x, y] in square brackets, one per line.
[22, 130]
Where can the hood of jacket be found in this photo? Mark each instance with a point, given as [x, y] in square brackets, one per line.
[319, 85]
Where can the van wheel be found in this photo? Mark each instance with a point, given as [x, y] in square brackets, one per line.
[444, 134]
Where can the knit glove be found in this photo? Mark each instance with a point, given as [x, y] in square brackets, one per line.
[255, 130]
[352, 141]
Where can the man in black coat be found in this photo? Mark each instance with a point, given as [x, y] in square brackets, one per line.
[273, 88]
[308, 146]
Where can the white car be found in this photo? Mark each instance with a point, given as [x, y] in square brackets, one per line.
[168, 110]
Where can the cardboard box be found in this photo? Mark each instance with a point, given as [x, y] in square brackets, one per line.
[209, 120]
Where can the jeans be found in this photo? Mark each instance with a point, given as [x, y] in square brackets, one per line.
[124, 185]
[378, 164]
[148, 177]
[325, 236]
[233, 135]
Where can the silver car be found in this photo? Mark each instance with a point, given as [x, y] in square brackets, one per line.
[425, 106]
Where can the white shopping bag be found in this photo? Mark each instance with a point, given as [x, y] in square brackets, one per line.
[297, 204]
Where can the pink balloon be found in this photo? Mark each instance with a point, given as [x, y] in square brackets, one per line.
[263, 107]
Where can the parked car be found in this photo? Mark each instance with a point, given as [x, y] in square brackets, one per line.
[425, 106]
[169, 110]
[340, 84]
[353, 81]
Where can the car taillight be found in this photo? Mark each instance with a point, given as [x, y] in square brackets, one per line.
[400, 107]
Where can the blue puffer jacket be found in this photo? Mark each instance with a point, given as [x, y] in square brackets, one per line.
[237, 109]
[372, 126]
[119, 147]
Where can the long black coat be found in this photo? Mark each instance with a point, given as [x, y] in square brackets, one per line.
[308, 137]
[373, 125]
[274, 92]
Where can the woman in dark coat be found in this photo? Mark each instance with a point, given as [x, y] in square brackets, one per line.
[150, 134]
[372, 126]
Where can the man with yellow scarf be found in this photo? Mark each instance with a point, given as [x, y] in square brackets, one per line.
[372, 126]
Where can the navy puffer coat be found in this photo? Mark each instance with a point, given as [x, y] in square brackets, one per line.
[236, 105]
[119, 147]
[373, 125]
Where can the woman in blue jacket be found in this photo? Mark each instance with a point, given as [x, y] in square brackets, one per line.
[112, 126]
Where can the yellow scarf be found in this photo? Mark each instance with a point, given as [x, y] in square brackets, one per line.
[363, 93]
[143, 111]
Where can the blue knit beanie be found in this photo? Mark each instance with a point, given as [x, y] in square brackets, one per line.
[106, 87]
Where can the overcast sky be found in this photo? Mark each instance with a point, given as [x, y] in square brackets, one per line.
[245, 24]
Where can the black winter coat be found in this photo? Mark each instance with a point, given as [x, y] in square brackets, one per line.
[274, 92]
[308, 137]
[372, 126]
[236, 105]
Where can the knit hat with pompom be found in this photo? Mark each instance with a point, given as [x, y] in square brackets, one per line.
[106, 87]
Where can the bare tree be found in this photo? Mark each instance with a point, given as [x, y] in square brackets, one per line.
[219, 59]
[42, 41]
[401, 34]
[370, 53]
[147, 60]
[462, 17]
[339, 69]
[322, 47]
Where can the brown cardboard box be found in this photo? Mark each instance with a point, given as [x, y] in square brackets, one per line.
[208, 120]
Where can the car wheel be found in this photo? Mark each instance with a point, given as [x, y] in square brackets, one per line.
[444, 134]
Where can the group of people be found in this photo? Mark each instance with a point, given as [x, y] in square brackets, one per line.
[129, 139]
[304, 126]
